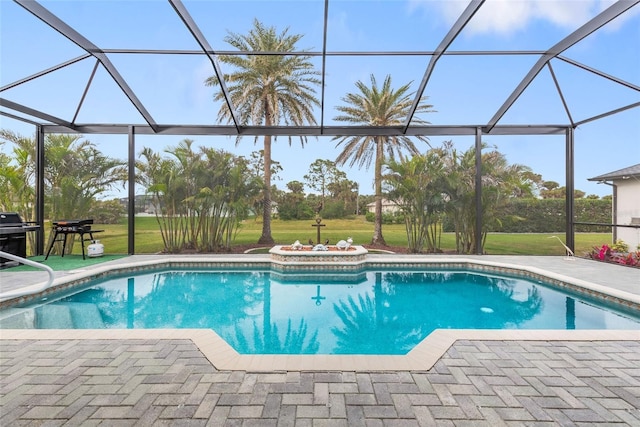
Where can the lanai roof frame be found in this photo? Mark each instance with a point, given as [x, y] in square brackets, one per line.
[52, 124]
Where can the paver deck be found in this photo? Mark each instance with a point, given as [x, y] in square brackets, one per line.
[146, 381]
[169, 382]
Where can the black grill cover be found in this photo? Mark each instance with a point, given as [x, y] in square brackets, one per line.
[10, 218]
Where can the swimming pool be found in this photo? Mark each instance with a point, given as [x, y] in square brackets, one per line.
[371, 312]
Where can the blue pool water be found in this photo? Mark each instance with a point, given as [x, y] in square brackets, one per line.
[369, 313]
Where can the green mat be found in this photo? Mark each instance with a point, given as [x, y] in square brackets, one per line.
[68, 262]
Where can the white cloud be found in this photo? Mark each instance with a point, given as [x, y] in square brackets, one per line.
[201, 94]
[502, 16]
[505, 17]
[341, 32]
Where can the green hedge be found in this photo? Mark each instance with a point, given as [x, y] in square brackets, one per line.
[387, 218]
[547, 216]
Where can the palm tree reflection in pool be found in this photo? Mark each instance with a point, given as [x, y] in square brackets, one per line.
[398, 318]
[269, 342]
[395, 312]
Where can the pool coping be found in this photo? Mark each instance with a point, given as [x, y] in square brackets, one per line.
[223, 357]
[421, 357]
[79, 277]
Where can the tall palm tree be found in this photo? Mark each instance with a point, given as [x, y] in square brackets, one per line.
[75, 173]
[17, 172]
[268, 90]
[374, 106]
[416, 186]
[501, 181]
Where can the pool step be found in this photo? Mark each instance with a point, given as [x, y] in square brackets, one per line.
[86, 315]
[15, 318]
[69, 315]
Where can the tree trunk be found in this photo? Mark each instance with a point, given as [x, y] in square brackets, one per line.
[377, 229]
[266, 238]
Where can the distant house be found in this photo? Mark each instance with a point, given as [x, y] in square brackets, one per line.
[387, 207]
[625, 184]
[143, 204]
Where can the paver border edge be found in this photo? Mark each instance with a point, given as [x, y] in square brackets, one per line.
[422, 358]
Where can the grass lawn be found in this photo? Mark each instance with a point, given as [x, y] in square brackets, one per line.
[148, 238]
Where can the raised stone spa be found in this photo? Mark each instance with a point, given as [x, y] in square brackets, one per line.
[289, 255]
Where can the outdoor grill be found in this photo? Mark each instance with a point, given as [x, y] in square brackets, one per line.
[72, 225]
[13, 235]
[63, 228]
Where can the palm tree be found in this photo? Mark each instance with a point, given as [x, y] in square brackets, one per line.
[416, 186]
[500, 182]
[374, 106]
[268, 90]
[75, 173]
[17, 172]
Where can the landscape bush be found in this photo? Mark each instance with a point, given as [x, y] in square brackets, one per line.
[615, 254]
[547, 216]
[387, 218]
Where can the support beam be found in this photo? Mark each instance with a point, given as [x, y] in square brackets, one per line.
[316, 53]
[191, 25]
[86, 90]
[35, 113]
[39, 249]
[570, 186]
[608, 113]
[67, 31]
[600, 73]
[324, 62]
[428, 130]
[559, 89]
[20, 119]
[459, 25]
[44, 72]
[131, 204]
[478, 193]
[606, 16]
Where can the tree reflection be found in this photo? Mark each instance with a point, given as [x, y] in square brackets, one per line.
[293, 342]
[367, 326]
[111, 304]
[214, 301]
[390, 316]
[397, 316]
[209, 298]
[367, 330]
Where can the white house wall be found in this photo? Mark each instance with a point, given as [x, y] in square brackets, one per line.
[388, 207]
[628, 208]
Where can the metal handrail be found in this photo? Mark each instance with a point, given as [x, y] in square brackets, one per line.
[22, 292]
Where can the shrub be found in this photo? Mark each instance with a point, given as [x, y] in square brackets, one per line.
[546, 216]
[333, 210]
[387, 218]
[107, 212]
[620, 246]
[606, 253]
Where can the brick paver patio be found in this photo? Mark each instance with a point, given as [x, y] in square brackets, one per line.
[78, 378]
[170, 382]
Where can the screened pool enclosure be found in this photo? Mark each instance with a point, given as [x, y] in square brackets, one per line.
[127, 68]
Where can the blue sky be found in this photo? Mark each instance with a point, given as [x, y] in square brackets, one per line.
[463, 89]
